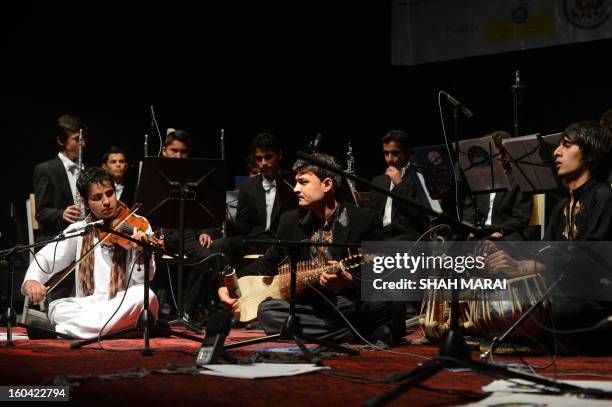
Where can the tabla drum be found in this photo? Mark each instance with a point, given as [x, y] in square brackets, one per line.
[492, 312]
[436, 316]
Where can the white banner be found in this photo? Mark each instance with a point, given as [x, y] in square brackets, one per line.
[437, 30]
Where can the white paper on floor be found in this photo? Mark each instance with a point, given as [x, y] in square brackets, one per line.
[260, 370]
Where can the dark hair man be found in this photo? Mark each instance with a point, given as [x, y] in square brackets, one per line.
[400, 222]
[323, 217]
[101, 278]
[55, 180]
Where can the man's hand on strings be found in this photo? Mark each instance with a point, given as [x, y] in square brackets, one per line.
[335, 281]
[137, 235]
[205, 240]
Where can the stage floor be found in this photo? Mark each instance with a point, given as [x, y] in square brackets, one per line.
[118, 374]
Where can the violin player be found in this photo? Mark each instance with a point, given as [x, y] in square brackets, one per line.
[109, 282]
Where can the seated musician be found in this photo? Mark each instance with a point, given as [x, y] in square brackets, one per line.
[506, 213]
[585, 214]
[200, 286]
[400, 222]
[262, 199]
[115, 162]
[322, 217]
[109, 282]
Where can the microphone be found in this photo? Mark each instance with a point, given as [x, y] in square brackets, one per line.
[85, 227]
[231, 282]
[212, 345]
[457, 104]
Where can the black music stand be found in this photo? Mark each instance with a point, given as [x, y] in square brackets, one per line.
[483, 170]
[436, 166]
[532, 162]
[292, 329]
[172, 190]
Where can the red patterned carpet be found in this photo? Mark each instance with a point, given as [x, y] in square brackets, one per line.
[138, 380]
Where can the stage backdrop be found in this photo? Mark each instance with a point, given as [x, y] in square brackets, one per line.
[438, 30]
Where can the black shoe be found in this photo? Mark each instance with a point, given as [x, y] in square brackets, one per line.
[382, 334]
[252, 325]
[39, 329]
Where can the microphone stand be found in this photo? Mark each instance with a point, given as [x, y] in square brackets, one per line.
[292, 329]
[146, 322]
[453, 349]
[516, 88]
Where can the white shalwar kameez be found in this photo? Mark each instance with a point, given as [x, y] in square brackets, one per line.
[83, 316]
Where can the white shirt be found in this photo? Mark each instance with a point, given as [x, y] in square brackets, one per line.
[489, 220]
[433, 204]
[270, 191]
[54, 259]
[118, 190]
[72, 171]
[389, 202]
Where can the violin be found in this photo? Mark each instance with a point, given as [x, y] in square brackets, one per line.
[126, 222]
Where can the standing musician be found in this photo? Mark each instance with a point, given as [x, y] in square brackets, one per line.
[323, 217]
[109, 281]
[583, 163]
[400, 222]
[55, 180]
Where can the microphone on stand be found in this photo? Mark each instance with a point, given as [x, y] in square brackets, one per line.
[212, 345]
[231, 282]
[457, 104]
[86, 227]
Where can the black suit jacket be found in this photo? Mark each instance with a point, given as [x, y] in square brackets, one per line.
[353, 225]
[404, 218]
[129, 189]
[250, 219]
[53, 195]
[511, 211]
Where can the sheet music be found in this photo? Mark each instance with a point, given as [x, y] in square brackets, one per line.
[529, 169]
[480, 161]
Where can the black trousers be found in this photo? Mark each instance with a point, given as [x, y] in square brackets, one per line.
[320, 320]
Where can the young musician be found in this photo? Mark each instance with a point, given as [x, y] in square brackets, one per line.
[262, 200]
[323, 217]
[400, 222]
[55, 180]
[108, 281]
[199, 287]
[583, 162]
[115, 162]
